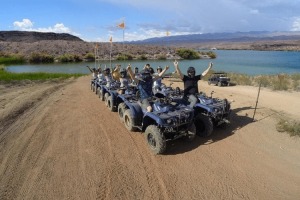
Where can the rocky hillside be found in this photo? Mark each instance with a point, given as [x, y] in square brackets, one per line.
[28, 36]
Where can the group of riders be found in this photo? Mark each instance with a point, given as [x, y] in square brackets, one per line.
[148, 82]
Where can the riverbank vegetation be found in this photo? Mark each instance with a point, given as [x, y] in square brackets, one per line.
[9, 76]
[280, 82]
[41, 56]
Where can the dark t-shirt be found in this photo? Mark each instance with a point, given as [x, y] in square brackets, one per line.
[191, 84]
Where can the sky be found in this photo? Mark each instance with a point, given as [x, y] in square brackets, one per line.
[97, 20]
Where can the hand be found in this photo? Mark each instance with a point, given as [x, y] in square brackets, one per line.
[129, 67]
[167, 67]
[211, 64]
[175, 63]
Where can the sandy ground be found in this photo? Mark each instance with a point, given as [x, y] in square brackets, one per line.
[59, 141]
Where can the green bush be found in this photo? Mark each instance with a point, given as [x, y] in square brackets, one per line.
[126, 56]
[188, 53]
[211, 54]
[89, 56]
[142, 57]
[37, 57]
[161, 57]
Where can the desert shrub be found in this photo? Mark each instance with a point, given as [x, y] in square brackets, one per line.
[188, 53]
[264, 80]
[295, 77]
[36, 57]
[66, 58]
[240, 79]
[126, 56]
[280, 84]
[142, 57]
[291, 127]
[161, 57]
[78, 58]
[89, 56]
[211, 54]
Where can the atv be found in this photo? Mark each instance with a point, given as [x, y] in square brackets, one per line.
[210, 112]
[168, 120]
[219, 78]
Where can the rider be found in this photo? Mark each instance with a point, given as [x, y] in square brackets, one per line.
[191, 82]
[157, 83]
[108, 76]
[123, 80]
[145, 85]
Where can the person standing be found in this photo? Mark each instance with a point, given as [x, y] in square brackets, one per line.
[190, 82]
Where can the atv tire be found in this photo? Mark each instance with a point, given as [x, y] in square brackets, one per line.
[106, 98]
[204, 125]
[128, 120]
[101, 96]
[155, 139]
[110, 104]
[191, 132]
[121, 110]
[219, 84]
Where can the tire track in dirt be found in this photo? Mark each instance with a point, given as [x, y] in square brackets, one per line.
[22, 160]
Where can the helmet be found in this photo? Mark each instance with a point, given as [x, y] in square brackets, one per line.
[94, 69]
[190, 70]
[136, 70]
[151, 70]
[159, 68]
[123, 73]
[146, 75]
[107, 71]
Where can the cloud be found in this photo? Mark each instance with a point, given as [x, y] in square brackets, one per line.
[26, 25]
[221, 16]
[296, 24]
[23, 24]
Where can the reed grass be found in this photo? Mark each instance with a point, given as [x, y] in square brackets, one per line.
[9, 76]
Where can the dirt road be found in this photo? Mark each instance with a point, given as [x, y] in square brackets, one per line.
[59, 141]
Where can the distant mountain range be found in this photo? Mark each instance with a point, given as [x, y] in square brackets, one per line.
[222, 37]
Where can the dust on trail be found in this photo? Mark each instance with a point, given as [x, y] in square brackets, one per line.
[68, 145]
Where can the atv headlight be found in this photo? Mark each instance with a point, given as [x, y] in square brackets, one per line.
[187, 115]
[169, 121]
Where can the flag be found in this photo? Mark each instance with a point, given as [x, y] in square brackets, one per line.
[110, 39]
[167, 33]
[122, 25]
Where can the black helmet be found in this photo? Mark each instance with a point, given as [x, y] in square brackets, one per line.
[107, 71]
[136, 70]
[123, 73]
[151, 70]
[190, 70]
[159, 68]
[146, 75]
[94, 69]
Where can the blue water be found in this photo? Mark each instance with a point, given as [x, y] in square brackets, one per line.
[239, 61]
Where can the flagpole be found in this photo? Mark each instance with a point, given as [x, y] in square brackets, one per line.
[110, 52]
[123, 49]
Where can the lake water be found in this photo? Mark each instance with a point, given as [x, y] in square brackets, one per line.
[240, 61]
